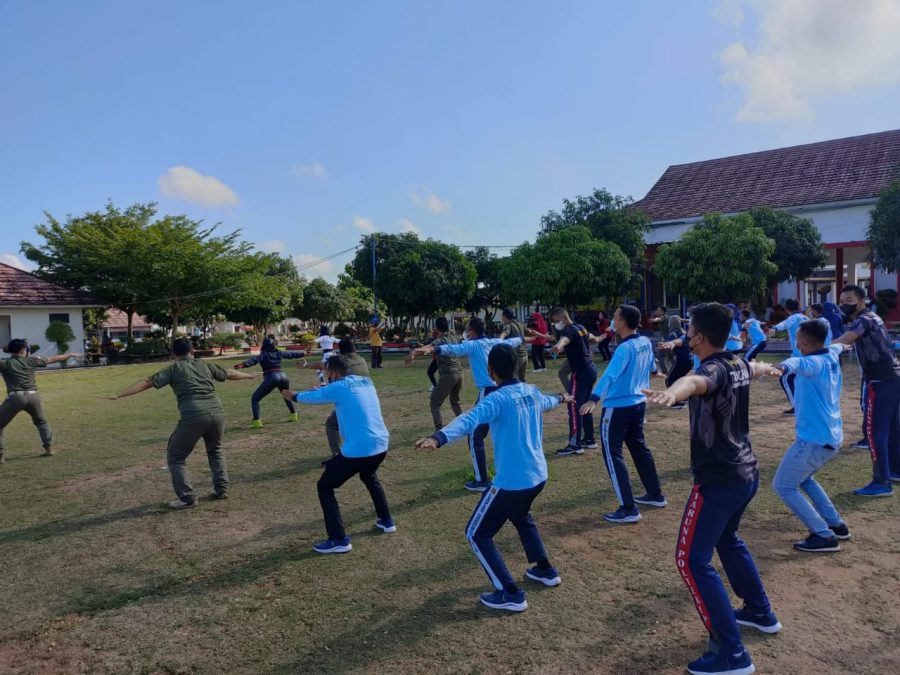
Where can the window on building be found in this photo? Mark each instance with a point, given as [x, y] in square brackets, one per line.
[59, 317]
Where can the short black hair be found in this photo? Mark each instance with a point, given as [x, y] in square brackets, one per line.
[337, 364]
[503, 360]
[15, 346]
[630, 315]
[745, 313]
[856, 290]
[442, 324]
[792, 304]
[324, 330]
[663, 308]
[815, 329]
[182, 346]
[817, 307]
[508, 313]
[346, 345]
[713, 320]
[477, 325]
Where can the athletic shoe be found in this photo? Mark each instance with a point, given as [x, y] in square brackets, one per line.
[787, 412]
[622, 515]
[875, 490]
[218, 495]
[895, 478]
[816, 544]
[840, 531]
[511, 602]
[592, 445]
[767, 623]
[681, 405]
[548, 577]
[861, 444]
[474, 486]
[430, 389]
[570, 450]
[294, 417]
[658, 502]
[256, 424]
[48, 451]
[723, 664]
[179, 504]
[334, 546]
[386, 525]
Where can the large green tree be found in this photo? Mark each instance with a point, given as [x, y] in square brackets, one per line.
[798, 244]
[565, 267]
[271, 289]
[883, 232]
[322, 302]
[488, 295]
[721, 258]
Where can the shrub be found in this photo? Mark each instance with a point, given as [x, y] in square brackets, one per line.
[229, 340]
[151, 347]
[393, 335]
[60, 333]
[342, 330]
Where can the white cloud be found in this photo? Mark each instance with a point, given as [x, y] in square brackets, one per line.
[406, 225]
[16, 261]
[364, 224]
[458, 233]
[309, 265]
[422, 196]
[809, 48]
[729, 12]
[314, 170]
[273, 246]
[182, 182]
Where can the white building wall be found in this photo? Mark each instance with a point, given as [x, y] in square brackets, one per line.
[31, 323]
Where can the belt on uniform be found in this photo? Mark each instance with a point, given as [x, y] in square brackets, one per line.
[17, 393]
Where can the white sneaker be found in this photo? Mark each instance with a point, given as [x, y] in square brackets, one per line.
[178, 504]
[430, 389]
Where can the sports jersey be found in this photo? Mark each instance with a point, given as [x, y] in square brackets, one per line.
[627, 373]
[720, 422]
[791, 325]
[734, 337]
[682, 352]
[477, 350]
[817, 396]
[754, 331]
[578, 351]
[327, 341]
[874, 348]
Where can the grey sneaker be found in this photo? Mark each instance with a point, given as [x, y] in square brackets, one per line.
[178, 504]
[48, 451]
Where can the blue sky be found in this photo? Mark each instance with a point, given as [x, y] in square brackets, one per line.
[306, 124]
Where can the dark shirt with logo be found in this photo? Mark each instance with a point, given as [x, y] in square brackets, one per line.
[578, 351]
[874, 348]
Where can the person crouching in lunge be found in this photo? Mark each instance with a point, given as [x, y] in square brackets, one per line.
[513, 413]
[365, 445]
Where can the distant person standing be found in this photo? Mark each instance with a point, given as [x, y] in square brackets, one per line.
[376, 341]
[18, 373]
[449, 370]
[539, 325]
[511, 329]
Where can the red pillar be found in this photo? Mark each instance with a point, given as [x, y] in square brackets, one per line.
[839, 268]
[872, 287]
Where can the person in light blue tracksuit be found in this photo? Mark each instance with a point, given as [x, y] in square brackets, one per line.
[622, 418]
[734, 344]
[817, 397]
[476, 347]
[790, 324]
[514, 414]
[756, 335]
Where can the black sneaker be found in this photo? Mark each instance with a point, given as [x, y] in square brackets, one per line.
[816, 544]
[840, 531]
[861, 444]
[570, 450]
[218, 495]
[787, 412]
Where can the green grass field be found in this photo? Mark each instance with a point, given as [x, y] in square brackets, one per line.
[98, 577]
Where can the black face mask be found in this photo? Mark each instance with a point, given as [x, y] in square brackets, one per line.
[848, 310]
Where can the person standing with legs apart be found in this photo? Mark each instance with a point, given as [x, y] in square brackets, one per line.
[18, 373]
[622, 419]
[753, 330]
[202, 416]
[269, 359]
[450, 371]
[817, 395]
[537, 346]
[514, 414]
[376, 341]
[790, 324]
[725, 481]
[326, 342]
[364, 449]
[881, 371]
[511, 329]
[476, 347]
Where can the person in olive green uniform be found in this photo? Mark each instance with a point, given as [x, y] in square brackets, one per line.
[513, 329]
[202, 416]
[358, 366]
[21, 388]
[450, 372]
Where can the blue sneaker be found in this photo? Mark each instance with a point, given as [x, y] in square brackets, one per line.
[895, 478]
[622, 515]
[475, 486]
[386, 525]
[657, 502]
[723, 664]
[511, 602]
[548, 577]
[334, 546]
[875, 490]
[767, 623]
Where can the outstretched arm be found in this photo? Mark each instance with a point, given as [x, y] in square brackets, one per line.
[61, 357]
[681, 390]
[232, 374]
[136, 388]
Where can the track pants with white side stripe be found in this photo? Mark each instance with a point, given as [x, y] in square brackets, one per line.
[883, 428]
[476, 443]
[711, 520]
[626, 425]
[494, 509]
[787, 383]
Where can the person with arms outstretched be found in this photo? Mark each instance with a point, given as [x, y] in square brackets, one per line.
[269, 359]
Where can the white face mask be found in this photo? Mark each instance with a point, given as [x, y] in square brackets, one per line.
[559, 325]
[612, 326]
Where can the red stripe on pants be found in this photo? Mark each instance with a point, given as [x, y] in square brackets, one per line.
[870, 418]
[573, 407]
[683, 551]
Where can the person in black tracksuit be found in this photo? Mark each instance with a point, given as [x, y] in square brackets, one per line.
[269, 360]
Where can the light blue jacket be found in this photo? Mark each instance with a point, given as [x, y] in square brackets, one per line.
[358, 411]
[627, 373]
[517, 427]
[754, 331]
[817, 396]
[791, 325]
[477, 350]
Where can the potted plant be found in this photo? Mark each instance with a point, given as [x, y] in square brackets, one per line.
[60, 333]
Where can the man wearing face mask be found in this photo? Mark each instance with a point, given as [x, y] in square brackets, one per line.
[881, 371]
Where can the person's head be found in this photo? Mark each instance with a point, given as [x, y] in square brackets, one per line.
[336, 368]
[441, 325]
[792, 305]
[475, 328]
[627, 320]
[502, 362]
[811, 336]
[660, 312]
[507, 315]
[853, 300]
[324, 330]
[268, 345]
[709, 328]
[17, 347]
[346, 346]
[182, 347]
[745, 314]
[814, 311]
[601, 315]
[373, 321]
[560, 318]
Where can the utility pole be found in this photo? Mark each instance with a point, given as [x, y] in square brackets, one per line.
[374, 294]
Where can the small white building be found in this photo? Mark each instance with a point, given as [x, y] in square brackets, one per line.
[28, 304]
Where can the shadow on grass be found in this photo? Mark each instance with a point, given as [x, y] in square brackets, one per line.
[70, 525]
[299, 467]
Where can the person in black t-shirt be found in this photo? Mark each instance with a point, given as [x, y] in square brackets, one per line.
[725, 481]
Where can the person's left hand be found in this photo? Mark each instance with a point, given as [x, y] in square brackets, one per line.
[427, 443]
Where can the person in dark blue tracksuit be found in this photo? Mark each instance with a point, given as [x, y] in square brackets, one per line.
[725, 481]
[622, 419]
[514, 414]
[477, 346]
[269, 359]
